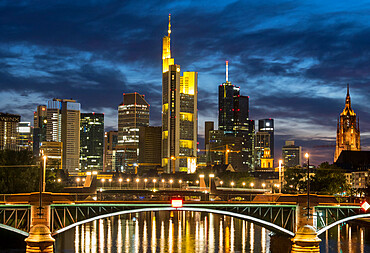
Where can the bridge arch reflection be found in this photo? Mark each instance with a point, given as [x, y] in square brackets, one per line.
[260, 222]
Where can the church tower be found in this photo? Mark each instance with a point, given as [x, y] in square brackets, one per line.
[348, 130]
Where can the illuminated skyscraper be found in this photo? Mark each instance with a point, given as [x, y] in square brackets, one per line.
[233, 120]
[8, 131]
[25, 138]
[92, 141]
[39, 128]
[132, 114]
[291, 154]
[348, 130]
[265, 139]
[179, 113]
[63, 125]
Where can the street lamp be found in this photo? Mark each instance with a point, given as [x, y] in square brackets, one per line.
[59, 180]
[243, 184]
[171, 181]
[180, 183]
[154, 181]
[44, 174]
[128, 183]
[280, 174]
[102, 182]
[173, 164]
[221, 183]
[163, 183]
[110, 182]
[263, 185]
[308, 184]
[232, 185]
[145, 180]
[78, 181]
[252, 185]
[120, 183]
[137, 183]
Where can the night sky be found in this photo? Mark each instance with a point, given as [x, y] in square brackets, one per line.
[293, 58]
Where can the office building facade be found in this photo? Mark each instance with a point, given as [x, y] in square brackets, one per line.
[39, 128]
[150, 141]
[91, 141]
[25, 137]
[132, 114]
[292, 154]
[265, 139]
[8, 131]
[63, 125]
[179, 114]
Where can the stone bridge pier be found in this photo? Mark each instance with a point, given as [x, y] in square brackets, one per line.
[40, 239]
[305, 239]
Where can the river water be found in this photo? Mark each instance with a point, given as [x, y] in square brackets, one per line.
[196, 232]
[187, 232]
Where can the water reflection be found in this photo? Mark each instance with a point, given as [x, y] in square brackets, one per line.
[192, 232]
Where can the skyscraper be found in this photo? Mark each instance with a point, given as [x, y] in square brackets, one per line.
[92, 141]
[233, 120]
[265, 137]
[348, 130]
[63, 125]
[110, 143]
[25, 141]
[179, 113]
[39, 128]
[150, 139]
[132, 114]
[8, 131]
[291, 154]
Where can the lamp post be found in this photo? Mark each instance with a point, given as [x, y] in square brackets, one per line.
[308, 184]
[232, 186]
[221, 183]
[211, 176]
[120, 183]
[280, 175]
[180, 183]
[263, 185]
[102, 182]
[137, 183]
[163, 183]
[44, 174]
[154, 181]
[145, 180]
[252, 185]
[128, 183]
[78, 181]
[171, 181]
[173, 164]
[110, 182]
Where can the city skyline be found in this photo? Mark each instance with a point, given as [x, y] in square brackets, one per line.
[94, 53]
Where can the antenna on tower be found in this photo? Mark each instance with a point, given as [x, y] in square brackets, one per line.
[169, 25]
[227, 71]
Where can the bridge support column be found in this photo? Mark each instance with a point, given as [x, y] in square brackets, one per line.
[40, 240]
[306, 240]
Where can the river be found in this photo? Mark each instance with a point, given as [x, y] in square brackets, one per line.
[189, 232]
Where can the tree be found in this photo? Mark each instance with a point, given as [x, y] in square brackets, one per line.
[294, 178]
[329, 179]
[22, 175]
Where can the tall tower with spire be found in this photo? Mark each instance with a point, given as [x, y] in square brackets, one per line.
[179, 113]
[348, 130]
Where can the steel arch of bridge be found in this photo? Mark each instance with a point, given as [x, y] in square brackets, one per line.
[15, 218]
[279, 218]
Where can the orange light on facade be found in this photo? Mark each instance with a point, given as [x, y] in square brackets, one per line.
[176, 203]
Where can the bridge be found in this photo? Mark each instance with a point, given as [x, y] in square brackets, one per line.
[285, 214]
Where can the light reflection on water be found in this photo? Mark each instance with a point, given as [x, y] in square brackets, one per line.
[195, 232]
[169, 232]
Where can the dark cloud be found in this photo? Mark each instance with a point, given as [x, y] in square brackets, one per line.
[292, 58]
